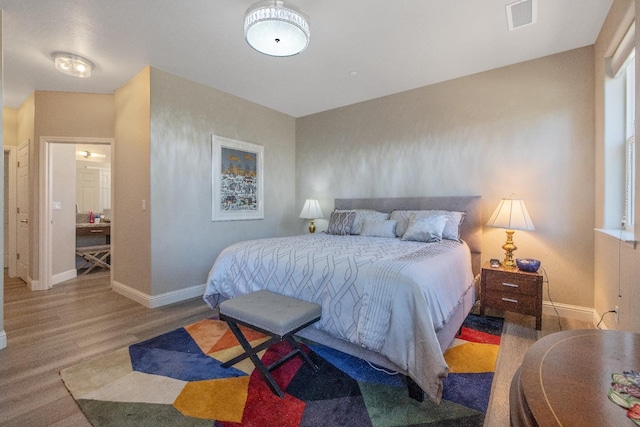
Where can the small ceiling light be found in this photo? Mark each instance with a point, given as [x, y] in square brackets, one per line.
[72, 65]
[276, 28]
[88, 154]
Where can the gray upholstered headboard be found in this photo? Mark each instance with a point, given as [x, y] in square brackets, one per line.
[470, 230]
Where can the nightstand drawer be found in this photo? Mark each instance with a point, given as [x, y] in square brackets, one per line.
[525, 304]
[505, 282]
[510, 289]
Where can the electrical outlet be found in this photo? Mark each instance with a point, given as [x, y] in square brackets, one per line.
[617, 310]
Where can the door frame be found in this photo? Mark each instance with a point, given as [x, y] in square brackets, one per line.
[10, 197]
[24, 191]
[45, 243]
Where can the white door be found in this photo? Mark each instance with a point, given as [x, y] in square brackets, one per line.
[22, 196]
[105, 189]
[88, 189]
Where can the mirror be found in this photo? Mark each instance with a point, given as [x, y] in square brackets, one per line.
[93, 178]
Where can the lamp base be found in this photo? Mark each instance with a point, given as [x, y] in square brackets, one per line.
[509, 247]
[312, 227]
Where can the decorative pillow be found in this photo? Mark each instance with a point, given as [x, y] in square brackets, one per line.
[340, 223]
[451, 229]
[363, 215]
[385, 228]
[426, 229]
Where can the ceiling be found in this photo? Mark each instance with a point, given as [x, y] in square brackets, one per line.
[359, 49]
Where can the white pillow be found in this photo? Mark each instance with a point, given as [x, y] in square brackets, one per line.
[386, 228]
[427, 229]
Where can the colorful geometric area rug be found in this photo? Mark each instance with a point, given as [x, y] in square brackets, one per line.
[176, 379]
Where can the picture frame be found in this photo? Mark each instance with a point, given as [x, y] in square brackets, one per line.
[237, 180]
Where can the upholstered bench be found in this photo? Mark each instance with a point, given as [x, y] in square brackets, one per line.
[272, 314]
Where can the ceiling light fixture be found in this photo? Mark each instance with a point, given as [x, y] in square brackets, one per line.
[276, 28]
[88, 154]
[72, 65]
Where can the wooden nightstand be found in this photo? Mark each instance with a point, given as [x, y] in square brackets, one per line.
[510, 289]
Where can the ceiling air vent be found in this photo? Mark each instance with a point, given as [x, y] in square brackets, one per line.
[522, 13]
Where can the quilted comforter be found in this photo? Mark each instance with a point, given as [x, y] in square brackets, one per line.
[387, 295]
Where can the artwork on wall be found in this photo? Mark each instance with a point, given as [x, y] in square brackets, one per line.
[237, 180]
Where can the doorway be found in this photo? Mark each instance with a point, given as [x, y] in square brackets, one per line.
[59, 207]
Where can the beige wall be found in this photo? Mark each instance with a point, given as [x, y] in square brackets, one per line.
[26, 120]
[184, 116]
[616, 265]
[10, 126]
[58, 114]
[131, 235]
[525, 129]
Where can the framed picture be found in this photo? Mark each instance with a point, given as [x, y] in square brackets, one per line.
[237, 180]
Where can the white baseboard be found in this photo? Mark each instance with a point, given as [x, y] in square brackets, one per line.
[158, 300]
[576, 312]
[34, 285]
[3, 339]
[65, 275]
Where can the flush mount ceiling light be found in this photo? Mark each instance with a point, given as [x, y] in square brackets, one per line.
[72, 65]
[276, 28]
[88, 154]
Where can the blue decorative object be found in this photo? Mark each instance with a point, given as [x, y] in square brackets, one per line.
[528, 264]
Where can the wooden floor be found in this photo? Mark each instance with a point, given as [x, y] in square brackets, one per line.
[518, 335]
[50, 330]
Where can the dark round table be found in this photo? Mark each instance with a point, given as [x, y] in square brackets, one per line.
[564, 379]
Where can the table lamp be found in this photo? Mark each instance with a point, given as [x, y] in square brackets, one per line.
[511, 214]
[311, 210]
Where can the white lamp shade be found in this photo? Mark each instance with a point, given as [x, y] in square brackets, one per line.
[511, 214]
[311, 210]
[276, 28]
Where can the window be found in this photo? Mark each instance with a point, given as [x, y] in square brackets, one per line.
[619, 138]
[630, 163]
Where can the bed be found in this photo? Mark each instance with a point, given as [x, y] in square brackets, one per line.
[395, 303]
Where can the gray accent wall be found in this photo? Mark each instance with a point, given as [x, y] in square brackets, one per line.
[526, 129]
[184, 116]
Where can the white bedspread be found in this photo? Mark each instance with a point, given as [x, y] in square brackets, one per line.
[388, 295]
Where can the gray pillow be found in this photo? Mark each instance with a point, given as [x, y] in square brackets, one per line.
[363, 215]
[425, 229]
[340, 223]
[386, 228]
[451, 229]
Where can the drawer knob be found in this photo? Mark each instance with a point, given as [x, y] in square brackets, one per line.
[511, 285]
[96, 231]
[515, 301]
